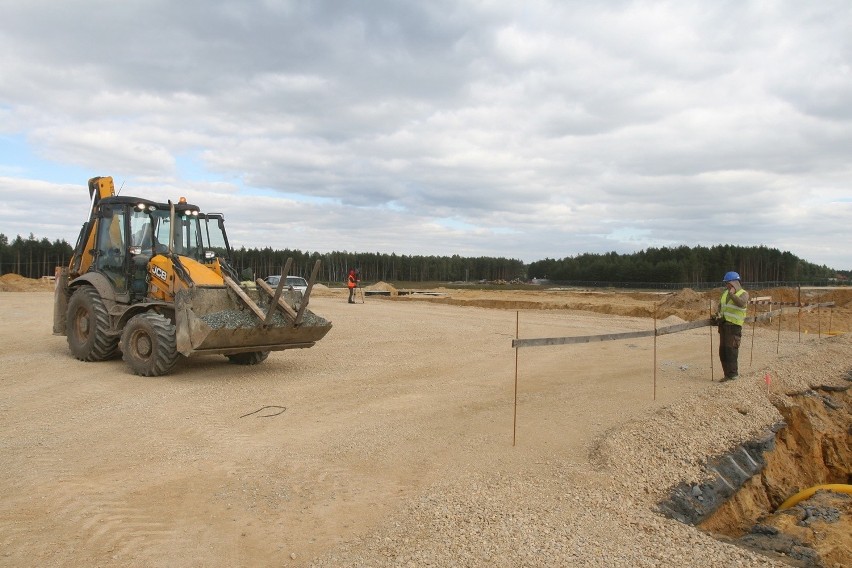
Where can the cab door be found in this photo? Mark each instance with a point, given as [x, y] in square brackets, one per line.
[111, 254]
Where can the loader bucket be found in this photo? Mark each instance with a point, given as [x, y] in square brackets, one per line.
[223, 320]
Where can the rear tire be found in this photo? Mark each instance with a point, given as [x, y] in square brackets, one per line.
[148, 344]
[87, 327]
[251, 358]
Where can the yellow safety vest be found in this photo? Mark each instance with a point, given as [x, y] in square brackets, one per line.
[732, 312]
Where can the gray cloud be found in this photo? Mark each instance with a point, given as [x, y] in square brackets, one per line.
[530, 130]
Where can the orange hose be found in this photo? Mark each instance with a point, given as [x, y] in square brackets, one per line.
[806, 493]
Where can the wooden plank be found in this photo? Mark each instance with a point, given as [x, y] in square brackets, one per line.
[278, 290]
[288, 311]
[304, 303]
[244, 297]
[683, 326]
[546, 341]
[540, 342]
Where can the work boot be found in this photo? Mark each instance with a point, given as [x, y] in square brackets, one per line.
[730, 378]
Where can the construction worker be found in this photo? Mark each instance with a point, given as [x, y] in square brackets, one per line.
[732, 314]
[352, 283]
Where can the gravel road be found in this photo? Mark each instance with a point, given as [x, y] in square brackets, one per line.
[395, 447]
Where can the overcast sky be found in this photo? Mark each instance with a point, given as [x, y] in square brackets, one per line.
[524, 129]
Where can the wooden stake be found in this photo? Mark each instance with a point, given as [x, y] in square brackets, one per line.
[711, 343]
[655, 351]
[515, 417]
[780, 316]
[753, 327]
[830, 313]
[819, 323]
[799, 314]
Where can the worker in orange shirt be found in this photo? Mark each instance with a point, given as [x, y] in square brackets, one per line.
[352, 283]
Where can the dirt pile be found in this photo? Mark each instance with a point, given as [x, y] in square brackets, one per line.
[687, 304]
[829, 320]
[783, 295]
[323, 290]
[687, 299]
[671, 320]
[842, 297]
[382, 287]
[17, 283]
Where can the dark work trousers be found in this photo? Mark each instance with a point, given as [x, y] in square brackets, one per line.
[730, 336]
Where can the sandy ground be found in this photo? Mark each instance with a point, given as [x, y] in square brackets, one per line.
[359, 450]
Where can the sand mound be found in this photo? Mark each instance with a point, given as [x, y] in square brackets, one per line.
[324, 290]
[671, 320]
[17, 283]
[686, 299]
[785, 295]
[842, 297]
[382, 286]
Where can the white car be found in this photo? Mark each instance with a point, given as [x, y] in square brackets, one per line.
[293, 282]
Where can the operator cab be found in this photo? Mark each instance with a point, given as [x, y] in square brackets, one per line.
[131, 231]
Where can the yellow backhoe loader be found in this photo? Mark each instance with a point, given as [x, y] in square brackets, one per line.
[154, 281]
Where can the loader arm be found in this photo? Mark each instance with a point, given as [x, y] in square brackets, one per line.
[82, 258]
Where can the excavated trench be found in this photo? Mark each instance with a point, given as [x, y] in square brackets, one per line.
[759, 493]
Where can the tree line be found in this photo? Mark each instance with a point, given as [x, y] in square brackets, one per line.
[31, 257]
[34, 258]
[375, 267]
[684, 265]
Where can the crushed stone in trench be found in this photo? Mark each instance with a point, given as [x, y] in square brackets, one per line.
[738, 502]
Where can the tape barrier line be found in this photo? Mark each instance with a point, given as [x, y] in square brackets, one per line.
[677, 328]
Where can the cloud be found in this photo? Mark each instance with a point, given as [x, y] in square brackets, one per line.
[528, 130]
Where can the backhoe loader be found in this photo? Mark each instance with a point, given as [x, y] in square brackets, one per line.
[154, 281]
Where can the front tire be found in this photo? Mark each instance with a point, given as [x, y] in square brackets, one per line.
[87, 327]
[148, 344]
[251, 358]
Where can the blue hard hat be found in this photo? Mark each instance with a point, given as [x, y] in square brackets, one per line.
[731, 276]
